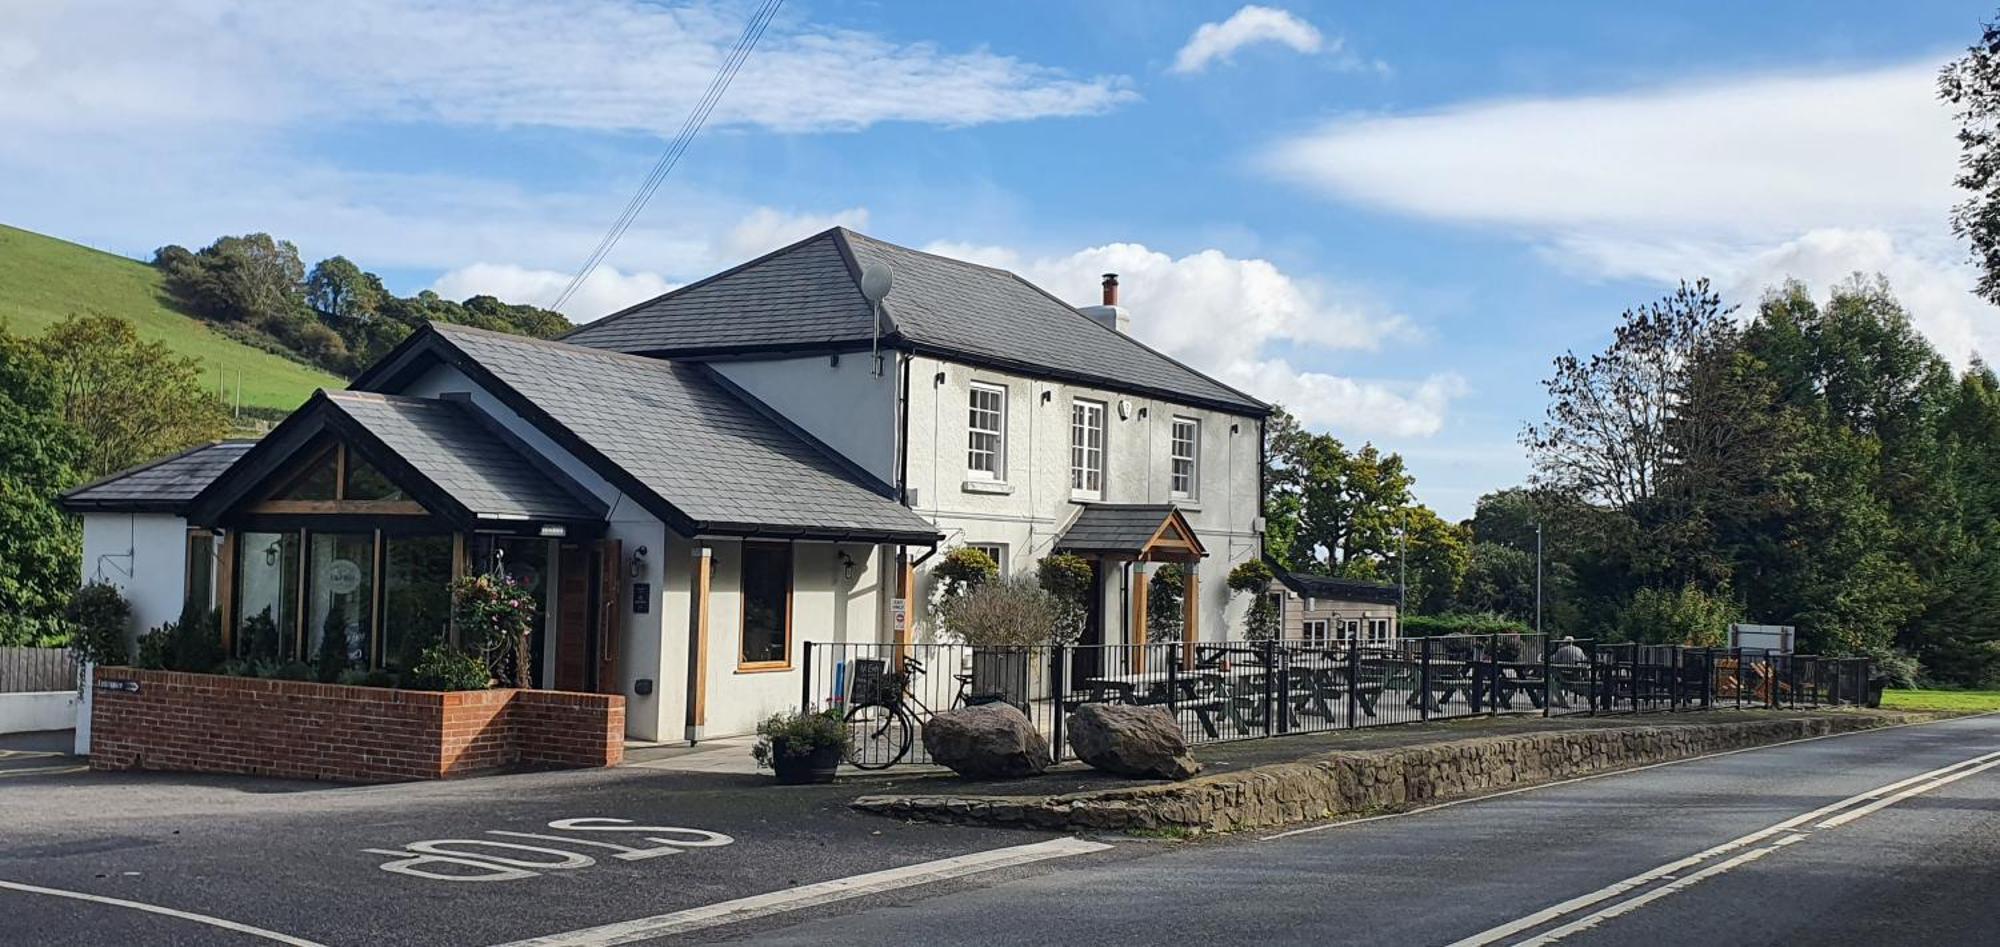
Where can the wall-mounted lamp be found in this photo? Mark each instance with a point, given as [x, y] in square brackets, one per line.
[1048, 395]
[1234, 428]
[937, 379]
[1144, 411]
[833, 361]
[271, 554]
[846, 564]
[639, 563]
[1124, 409]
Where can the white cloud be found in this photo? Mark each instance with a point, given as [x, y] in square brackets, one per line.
[603, 292]
[1748, 180]
[619, 65]
[1248, 26]
[766, 229]
[1230, 317]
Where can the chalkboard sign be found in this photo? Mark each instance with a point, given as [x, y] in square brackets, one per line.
[867, 682]
[642, 597]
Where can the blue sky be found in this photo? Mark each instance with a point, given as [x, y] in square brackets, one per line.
[1389, 217]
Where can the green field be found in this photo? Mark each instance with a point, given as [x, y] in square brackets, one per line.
[43, 280]
[1955, 701]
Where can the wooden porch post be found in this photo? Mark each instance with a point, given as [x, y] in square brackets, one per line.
[1141, 581]
[697, 706]
[1191, 622]
[225, 591]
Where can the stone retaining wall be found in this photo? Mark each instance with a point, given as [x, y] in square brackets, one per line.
[207, 723]
[1359, 781]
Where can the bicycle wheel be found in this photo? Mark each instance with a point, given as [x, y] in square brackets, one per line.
[880, 736]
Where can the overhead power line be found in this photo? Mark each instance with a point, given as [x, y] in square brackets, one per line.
[678, 146]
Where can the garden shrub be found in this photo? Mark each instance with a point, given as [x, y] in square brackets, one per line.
[494, 615]
[1068, 578]
[101, 616]
[1012, 610]
[445, 667]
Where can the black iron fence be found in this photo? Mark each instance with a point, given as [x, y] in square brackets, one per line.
[1236, 690]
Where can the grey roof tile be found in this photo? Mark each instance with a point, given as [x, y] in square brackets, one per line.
[681, 434]
[1338, 589]
[162, 486]
[807, 295]
[1118, 528]
[451, 446]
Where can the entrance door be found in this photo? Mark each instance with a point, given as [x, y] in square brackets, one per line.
[1087, 659]
[572, 664]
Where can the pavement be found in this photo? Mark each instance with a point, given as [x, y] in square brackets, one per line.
[93, 858]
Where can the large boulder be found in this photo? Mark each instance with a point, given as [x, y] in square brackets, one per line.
[989, 740]
[1130, 741]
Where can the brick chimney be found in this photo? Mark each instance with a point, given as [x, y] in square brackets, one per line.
[1110, 315]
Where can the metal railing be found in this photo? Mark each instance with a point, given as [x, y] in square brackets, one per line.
[1236, 690]
[26, 670]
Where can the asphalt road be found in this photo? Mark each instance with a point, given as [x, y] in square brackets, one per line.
[1924, 870]
[293, 860]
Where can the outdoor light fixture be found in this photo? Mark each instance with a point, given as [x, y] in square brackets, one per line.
[639, 563]
[846, 563]
[1124, 410]
[271, 553]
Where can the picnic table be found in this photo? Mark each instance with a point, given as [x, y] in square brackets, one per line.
[1176, 690]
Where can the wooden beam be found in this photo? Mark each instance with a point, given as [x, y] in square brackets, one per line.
[704, 567]
[1191, 623]
[354, 507]
[1141, 582]
[906, 592]
[225, 591]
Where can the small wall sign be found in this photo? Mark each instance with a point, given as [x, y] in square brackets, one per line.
[130, 687]
[642, 597]
[899, 615]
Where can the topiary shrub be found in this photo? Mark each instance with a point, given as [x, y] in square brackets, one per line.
[1253, 578]
[333, 660]
[1007, 611]
[1068, 578]
[101, 617]
[1166, 606]
[260, 637]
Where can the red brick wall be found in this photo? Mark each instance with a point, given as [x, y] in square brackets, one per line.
[215, 724]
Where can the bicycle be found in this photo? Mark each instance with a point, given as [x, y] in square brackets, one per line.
[880, 721]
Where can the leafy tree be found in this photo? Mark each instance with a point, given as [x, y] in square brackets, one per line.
[342, 293]
[1971, 84]
[1253, 578]
[1068, 579]
[1439, 555]
[128, 400]
[101, 618]
[1605, 440]
[252, 279]
[1499, 579]
[1687, 616]
[1166, 603]
[39, 455]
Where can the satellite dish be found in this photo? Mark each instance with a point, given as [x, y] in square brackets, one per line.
[876, 282]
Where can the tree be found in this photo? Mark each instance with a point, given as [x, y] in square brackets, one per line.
[1439, 554]
[1253, 579]
[129, 401]
[1499, 579]
[1166, 603]
[252, 279]
[1684, 616]
[1971, 84]
[38, 455]
[1605, 440]
[343, 294]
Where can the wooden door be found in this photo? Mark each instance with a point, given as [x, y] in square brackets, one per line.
[573, 629]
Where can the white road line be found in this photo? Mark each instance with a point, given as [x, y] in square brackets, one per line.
[1606, 893]
[1310, 829]
[41, 771]
[1852, 814]
[1624, 907]
[226, 925]
[805, 896]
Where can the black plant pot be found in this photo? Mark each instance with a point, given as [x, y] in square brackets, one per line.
[817, 766]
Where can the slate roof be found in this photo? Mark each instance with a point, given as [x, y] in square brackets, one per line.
[166, 485]
[702, 458]
[807, 296]
[1121, 529]
[465, 457]
[1337, 589]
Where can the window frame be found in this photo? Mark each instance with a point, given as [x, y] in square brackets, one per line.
[1324, 627]
[997, 551]
[1378, 630]
[1193, 458]
[998, 432]
[1080, 451]
[1350, 630]
[790, 552]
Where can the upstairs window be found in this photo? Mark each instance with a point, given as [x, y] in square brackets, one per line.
[986, 433]
[1186, 453]
[1086, 448]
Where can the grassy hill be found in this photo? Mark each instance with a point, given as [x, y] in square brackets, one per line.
[43, 280]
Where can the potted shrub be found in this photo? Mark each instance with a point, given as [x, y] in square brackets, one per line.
[1004, 620]
[802, 747]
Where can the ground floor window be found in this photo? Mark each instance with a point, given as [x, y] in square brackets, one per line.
[341, 591]
[767, 605]
[267, 595]
[1315, 631]
[416, 597]
[1378, 630]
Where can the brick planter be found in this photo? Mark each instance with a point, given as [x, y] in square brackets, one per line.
[207, 723]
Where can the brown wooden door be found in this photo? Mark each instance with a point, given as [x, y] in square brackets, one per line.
[610, 606]
[573, 629]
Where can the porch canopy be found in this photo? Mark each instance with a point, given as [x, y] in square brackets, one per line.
[1142, 533]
